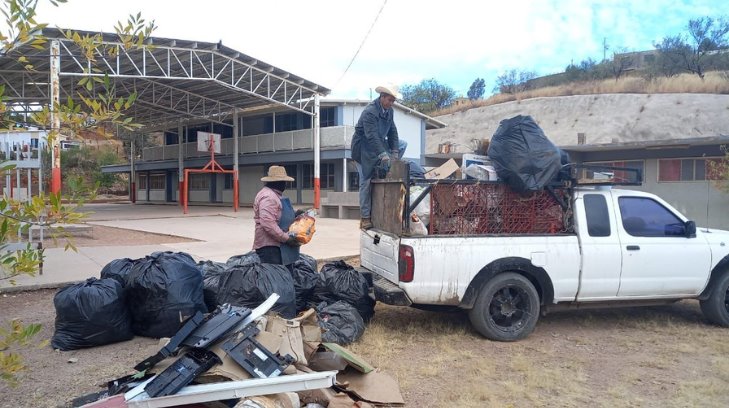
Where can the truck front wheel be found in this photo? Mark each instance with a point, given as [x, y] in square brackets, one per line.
[507, 309]
[716, 307]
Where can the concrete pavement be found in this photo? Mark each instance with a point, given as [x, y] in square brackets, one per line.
[220, 233]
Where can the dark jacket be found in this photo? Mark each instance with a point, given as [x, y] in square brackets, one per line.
[374, 134]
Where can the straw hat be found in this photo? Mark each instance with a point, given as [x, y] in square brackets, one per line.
[390, 90]
[277, 173]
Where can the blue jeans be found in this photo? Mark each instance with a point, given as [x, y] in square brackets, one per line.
[365, 187]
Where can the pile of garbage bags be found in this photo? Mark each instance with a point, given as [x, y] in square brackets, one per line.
[154, 295]
[523, 156]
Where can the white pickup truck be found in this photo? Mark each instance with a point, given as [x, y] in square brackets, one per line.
[616, 247]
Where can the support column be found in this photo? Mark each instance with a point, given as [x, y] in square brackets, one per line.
[345, 175]
[133, 175]
[180, 161]
[317, 154]
[55, 118]
[236, 137]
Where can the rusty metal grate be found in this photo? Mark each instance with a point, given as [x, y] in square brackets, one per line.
[463, 209]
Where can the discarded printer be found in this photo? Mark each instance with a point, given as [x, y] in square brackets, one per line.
[233, 326]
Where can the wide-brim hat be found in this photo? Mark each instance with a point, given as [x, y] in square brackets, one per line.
[390, 90]
[277, 173]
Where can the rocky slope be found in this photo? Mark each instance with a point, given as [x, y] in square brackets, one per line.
[605, 118]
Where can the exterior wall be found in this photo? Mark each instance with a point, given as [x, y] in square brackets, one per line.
[697, 200]
[249, 183]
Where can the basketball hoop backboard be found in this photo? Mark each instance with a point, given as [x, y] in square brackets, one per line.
[203, 142]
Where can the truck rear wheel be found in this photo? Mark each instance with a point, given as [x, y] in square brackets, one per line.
[716, 307]
[507, 309]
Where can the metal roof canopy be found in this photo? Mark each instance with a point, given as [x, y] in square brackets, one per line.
[175, 80]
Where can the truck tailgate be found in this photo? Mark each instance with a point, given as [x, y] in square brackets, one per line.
[379, 253]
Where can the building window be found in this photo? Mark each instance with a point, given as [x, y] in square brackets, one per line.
[227, 181]
[170, 138]
[326, 176]
[157, 182]
[199, 181]
[142, 181]
[257, 125]
[328, 117]
[685, 170]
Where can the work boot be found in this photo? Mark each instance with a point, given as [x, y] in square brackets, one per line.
[365, 223]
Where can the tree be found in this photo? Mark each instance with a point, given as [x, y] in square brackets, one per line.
[98, 109]
[477, 89]
[693, 52]
[513, 81]
[719, 171]
[427, 96]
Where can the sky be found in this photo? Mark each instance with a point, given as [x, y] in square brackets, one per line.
[402, 41]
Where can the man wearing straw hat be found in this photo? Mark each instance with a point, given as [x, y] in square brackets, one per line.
[374, 144]
[273, 214]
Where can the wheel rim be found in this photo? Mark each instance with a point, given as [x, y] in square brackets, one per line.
[509, 309]
[726, 300]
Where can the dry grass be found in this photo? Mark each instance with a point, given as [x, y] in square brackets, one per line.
[643, 357]
[713, 83]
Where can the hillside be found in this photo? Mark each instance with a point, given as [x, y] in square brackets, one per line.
[604, 118]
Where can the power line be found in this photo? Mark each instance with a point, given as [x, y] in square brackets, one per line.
[361, 45]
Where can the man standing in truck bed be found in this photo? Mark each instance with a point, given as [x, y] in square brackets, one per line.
[374, 145]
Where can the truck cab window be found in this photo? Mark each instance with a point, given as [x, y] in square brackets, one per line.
[598, 217]
[644, 217]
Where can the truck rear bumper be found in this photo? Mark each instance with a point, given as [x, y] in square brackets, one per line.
[386, 291]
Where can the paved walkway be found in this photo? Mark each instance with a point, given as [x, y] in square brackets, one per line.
[221, 233]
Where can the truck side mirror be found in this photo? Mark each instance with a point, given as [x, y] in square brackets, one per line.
[690, 227]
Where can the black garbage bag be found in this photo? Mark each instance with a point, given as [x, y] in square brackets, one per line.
[305, 279]
[211, 272]
[91, 313]
[340, 321]
[340, 281]
[163, 289]
[117, 269]
[522, 154]
[247, 259]
[250, 285]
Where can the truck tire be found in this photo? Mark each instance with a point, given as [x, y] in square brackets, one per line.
[716, 307]
[507, 309]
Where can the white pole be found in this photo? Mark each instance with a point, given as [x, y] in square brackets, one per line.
[317, 153]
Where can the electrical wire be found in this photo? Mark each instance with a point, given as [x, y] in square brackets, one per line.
[360, 45]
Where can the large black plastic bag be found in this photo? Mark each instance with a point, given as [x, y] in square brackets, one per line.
[163, 289]
[211, 272]
[340, 281]
[522, 155]
[341, 322]
[247, 259]
[91, 313]
[305, 279]
[250, 285]
[117, 269]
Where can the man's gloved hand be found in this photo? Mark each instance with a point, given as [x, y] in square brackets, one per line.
[384, 163]
[298, 213]
[292, 241]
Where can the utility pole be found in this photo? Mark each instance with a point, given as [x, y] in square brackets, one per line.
[604, 48]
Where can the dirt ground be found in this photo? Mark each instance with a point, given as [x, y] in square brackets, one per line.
[638, 357]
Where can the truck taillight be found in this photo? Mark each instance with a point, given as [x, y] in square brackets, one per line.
[406, 263]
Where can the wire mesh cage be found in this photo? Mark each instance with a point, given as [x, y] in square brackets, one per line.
[493, 208]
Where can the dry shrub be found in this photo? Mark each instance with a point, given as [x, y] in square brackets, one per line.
[715, 82]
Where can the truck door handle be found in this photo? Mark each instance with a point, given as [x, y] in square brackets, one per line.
[633, 248]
